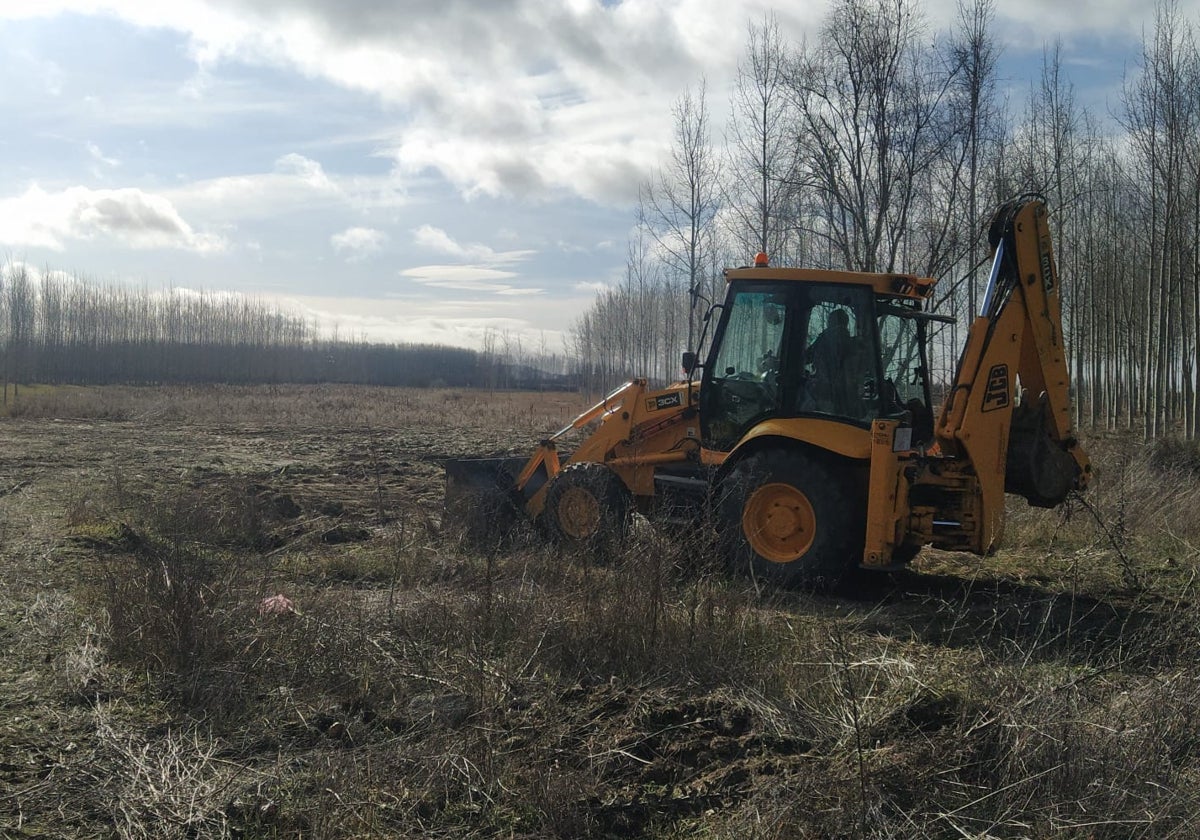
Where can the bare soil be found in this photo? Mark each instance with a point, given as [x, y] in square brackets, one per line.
[417, 686]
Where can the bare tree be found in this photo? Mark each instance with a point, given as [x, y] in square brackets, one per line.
[869, 97]
[759, 194]
[975, 57]
[679, 205]
[20, 307]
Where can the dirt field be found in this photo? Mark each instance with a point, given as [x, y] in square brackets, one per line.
[412, 686]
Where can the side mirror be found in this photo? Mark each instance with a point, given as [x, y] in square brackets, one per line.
[690, 362]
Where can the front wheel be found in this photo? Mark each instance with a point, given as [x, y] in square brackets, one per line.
[792, 520]
[587, 505]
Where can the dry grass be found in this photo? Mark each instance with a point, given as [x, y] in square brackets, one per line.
[302, 406]
[421, 688]
[171, 786]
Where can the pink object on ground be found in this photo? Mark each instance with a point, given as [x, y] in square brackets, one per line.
[276, 605]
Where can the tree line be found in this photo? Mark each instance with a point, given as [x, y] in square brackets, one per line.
[57, 329]
[881, 145]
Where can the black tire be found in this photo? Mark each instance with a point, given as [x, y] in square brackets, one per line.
[812, 520]
[588, 506]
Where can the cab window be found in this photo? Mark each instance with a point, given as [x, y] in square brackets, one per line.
[838, 361]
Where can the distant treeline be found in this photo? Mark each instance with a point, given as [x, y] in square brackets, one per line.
[56, 329]
[161, 361]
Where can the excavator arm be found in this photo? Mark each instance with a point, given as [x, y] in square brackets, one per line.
[1008, 414]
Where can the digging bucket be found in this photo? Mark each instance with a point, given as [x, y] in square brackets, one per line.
[482, 504]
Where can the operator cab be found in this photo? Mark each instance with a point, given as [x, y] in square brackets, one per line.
[829, 350]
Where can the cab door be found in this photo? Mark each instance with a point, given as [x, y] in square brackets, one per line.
[741, 383]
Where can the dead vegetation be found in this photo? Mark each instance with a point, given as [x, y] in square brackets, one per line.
[409, 685]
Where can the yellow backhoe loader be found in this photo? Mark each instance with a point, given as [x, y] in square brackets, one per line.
[810, 433]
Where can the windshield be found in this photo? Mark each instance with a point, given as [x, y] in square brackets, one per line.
[744, 375]
[752, 342]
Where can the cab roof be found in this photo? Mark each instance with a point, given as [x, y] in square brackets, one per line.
[908, 286]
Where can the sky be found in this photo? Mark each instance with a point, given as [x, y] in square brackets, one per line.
[412, 170]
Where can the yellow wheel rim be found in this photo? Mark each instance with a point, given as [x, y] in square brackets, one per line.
[779, 522]
[578, 513]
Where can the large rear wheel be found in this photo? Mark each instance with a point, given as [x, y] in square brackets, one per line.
[588, 506]
[792, 520]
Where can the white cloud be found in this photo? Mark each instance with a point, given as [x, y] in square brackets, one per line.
[99, 157]
[434, 274]
[436, 239]
[358, 242]
[468, 278]
[592, 286]
[308, 171]
[130, 217]
[295, 181]
[483, 270]
[102, 164]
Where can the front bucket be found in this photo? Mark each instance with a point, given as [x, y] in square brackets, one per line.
[482, 504]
